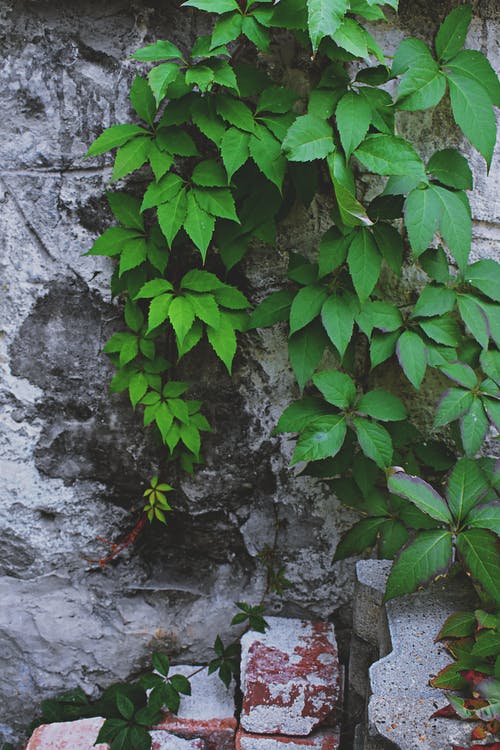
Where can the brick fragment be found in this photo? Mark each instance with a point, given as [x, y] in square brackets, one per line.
[320, 740]
[290, 677]
[207, 713]
[81, 735]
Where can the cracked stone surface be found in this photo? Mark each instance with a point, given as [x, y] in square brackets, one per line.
[74, 461]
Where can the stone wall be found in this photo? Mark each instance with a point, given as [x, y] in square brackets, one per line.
[73, 461]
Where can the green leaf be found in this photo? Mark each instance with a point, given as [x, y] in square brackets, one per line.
[485, 516]
[381, 315]
[422, 84]
[485, 276]
[205, 308]
[159, 79]
[390, 155]
[137, 387]
[364, 263]
[230, 297]
[434, 300]
[422, 215]
[217, 201]
[143, 100]
[126, 209]
[212, 6]
[163, 191]
[487, 644]
[451, 168]
[277, 99]
[130, 157]
[158, 310]
[133, 254]
[337, 316]
[256, 33]
[181, 684]
[192, 337]
[352, 37]
[235, 112]
[273, 309]
[458, 625]
[492, 406]
[305, 350]
[234, 150]
[361, 536]
[479, 550]
[473, 113]
[306, 306]
[160, 50]
[428, 557]
[466, 485]
[353, 115]
[474, 318]
[473, 427]
[442, 329]
[375, 441]
[265, 150]
[390, 244]
[112, 241]
[476, 66]
[324, 18]
[153, 288]
[171, 216]
[300, 413]
[382, 405]
[332, 251]
[161, 663]
[125, 706]
[308, 138]
[321, 439]
[227, 29]
[337, 388]
[453, 404]
[200, 281]
[461, 373]
[450, 38]
[204, 117]
[393, 535]
[116, 135]
[176, 141]
[198, 224]
[209, 173]
[421, 494]
[181, 316]
[456, 223]
[223, 341]
[412, 356]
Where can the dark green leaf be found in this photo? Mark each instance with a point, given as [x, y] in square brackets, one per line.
[321, 439]
[273, 309]
[390, 155]
[337, 388]
[300, 413]
[324, 18]
[452, 405]
[473, 427]
[375, 441]
[353, 116]
[142, 100]
[382, 405]
[473, 113]
[450, 38]
[360, 537]
[412, 356]
[337, 315]
[161, 663]
[308, 138]
[306, 306]
[486, 516]
[474, 318]
[479, 550]
[421, 494]
[364, 263]
[451, 168]
[426, 558]
[422, 216]
[393, 535]
[305, 350]
[466, 485]
[474, 64]
[456, 223]
[434, 300]
[485, 276]
[234, 150]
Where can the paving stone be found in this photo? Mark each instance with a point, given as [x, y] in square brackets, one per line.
[207, 713]
[81, 735]
[402, 699]
[290, 677]
[322, 740]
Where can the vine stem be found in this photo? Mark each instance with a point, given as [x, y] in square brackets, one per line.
[118, 547]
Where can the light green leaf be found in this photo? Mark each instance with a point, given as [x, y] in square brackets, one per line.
[112, 240]
[306, 306]
[181, 315]
[323, 438]
[473, 113]
[456, 223]
[382, 405]
[217, 201]
[336, 387]
[234, 150]
[473, 427]
[227, 29]
[163, 191]
[390, 155]
[422, 215]
[200, 281]
[454, 403]
[171, 216]
[450, 38]
[352, 37]
[308, 138]
[223, 341]
[324, 18]
[375, 441]
[364, 263]
[230, 297]
[137, 387]
[133, 254]
[160, 161]
[479, 550]
[209, 173]
[412, 356]
[428, 557]
[158, 310]
[212, 6]
[163, 419]
[190, 436]
[116, 135]
[353, 115]
[198, 224]
[205, 308]
[451, 168]
[159, 79]
[223, 74]
[305, 350]
[265, 150]
[235, 112]
[160, 50]
[130, 157]
[142, 100]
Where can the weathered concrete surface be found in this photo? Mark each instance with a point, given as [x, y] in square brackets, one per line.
[72, 461]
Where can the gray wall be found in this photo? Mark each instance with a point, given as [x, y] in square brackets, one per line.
[73, 460]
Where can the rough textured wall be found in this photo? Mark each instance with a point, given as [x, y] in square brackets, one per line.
[73, 460]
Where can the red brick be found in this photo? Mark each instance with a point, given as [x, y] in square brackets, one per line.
[290, 677]
[320, 740]
[218, 734]
[81, 735]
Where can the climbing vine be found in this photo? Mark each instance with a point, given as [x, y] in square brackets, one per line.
[228, 150]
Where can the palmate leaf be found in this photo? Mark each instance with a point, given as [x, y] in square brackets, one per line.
[451, 168]
[113, 137]
[456, 223]
[454, 403]
[479, 550]
[198, 224]
[466, 485]
[273, 309]
[223, 341]
[131, 156]
[324, 18]
[361, 536]
[393, 535]
[429, 556]
[485, 276]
